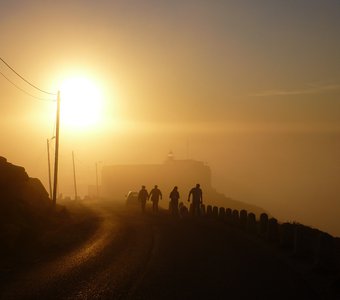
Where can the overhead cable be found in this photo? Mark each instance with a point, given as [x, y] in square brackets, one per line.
[27, 93]
[31, 84]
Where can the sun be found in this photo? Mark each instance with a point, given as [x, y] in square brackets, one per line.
[81, 103]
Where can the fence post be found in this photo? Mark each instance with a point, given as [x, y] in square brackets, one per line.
[263, 224]
[236, 217]
[215, 212]
[209, 211]
[251, 223]
[203, 210]
[272, 230]
[221, 213]
[287, 236]
[229, 215]
[243, 218]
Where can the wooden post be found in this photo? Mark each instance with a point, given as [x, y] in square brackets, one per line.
[251, 223]
[49, 168]
[236, 217]
[74, 178]
[215, 212]
[243, 218]
[209, 211]
[55, 183]
[263, 224]
[221, 213]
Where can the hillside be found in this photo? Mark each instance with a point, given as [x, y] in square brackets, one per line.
[102, 248]
[30, 226]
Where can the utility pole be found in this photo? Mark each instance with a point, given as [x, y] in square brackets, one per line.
[74, 178]
[97, 179]
[55, 183]
[97, 184]
[49, 167]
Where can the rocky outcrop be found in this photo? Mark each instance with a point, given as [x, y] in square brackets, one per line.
[18, 189]
[25, 210]
[12, 179]
[16, 184]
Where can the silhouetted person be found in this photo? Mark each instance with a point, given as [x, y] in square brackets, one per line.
[197, 199]
[174, 196]
[155, 195]
[143, 197]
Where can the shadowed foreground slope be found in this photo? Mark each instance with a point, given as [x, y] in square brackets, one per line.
[134, 256]
[27, 216]
[196, 259]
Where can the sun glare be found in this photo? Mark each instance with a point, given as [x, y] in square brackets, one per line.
[81, 103]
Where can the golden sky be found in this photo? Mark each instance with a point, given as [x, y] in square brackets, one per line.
[195, 77]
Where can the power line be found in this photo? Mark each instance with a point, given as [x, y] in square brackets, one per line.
[31, 84]
[27, 93]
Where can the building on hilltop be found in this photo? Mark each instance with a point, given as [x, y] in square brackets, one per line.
[118, 180]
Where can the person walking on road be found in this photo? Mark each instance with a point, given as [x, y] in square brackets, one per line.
[143, 197]
[197, 199]
[174, 196]
[155, 195]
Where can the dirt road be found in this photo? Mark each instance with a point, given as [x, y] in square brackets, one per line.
[135, 256]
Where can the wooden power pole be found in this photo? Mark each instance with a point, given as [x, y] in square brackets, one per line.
[55, 183]
[97, 179]
[74, 178]
[49, 167]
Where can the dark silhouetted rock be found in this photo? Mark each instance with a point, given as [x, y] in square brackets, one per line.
[16, 185]
[11, 174]
[25, 207]
[35, 193]
[12, 181]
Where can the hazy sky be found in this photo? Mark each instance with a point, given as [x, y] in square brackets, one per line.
[219, 81]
